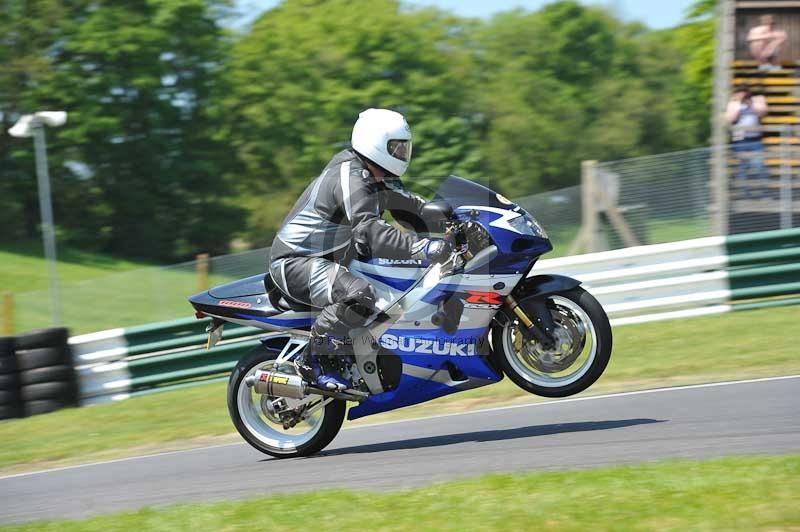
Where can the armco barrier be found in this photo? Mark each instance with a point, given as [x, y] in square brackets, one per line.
[635, 285]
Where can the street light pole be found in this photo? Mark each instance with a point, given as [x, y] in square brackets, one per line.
[33, 125]
[46, 209]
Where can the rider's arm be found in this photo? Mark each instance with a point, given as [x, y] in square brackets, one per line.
[405, 207]
[363, 210]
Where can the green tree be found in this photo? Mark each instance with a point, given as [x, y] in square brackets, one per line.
[571, 82]
[27, 31]
[137, 170]
[306, 69]
[696, 39]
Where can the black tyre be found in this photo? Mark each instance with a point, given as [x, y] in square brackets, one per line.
[9, 381]
[44, 406]
[6, 346]
[55, 337]
[10, 411]
[581, 355]
[43, 358]
[9, 397]
[47, 374]
[61, 390]
[8, 363]
[264, 432]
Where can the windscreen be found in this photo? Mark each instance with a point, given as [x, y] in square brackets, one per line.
[458, 192]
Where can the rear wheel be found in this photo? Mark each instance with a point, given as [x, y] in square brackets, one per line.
[255, 418]
[580, 355]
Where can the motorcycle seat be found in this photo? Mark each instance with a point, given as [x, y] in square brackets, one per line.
[280, 301]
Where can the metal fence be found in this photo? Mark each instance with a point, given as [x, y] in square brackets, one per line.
[661, 198]
[138, 296]
[644, 200]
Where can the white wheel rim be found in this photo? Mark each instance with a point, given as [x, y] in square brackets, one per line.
[586, 357]
[272, 434]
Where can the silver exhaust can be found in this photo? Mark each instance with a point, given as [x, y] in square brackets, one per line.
[276, 384]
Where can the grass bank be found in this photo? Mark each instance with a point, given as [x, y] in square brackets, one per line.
[731, 346]
[743, 493]
[97, 292]
[23, 268]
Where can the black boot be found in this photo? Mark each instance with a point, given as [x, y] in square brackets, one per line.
[309, 363]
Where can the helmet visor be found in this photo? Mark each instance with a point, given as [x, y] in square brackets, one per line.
[399, 149]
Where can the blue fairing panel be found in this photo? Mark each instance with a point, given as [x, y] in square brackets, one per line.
[398, 284]
[428, 376]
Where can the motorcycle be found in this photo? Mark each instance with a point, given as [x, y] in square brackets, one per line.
[441, 328]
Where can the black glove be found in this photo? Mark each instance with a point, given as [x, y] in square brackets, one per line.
[437, 250]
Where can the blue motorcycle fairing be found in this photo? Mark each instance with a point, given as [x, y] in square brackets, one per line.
[516, 249]
[428, 376]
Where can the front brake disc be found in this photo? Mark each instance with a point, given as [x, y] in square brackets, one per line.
[570, 339]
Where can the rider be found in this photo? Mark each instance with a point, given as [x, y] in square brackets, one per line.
[341, 212]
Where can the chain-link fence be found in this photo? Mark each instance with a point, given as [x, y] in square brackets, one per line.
[762, 168]
[644, 200]
[661, 198]
[137, 296]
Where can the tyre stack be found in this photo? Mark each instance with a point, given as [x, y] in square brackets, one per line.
[46, 373]
[10, 401]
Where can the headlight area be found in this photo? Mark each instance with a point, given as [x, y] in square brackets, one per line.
[526, 225]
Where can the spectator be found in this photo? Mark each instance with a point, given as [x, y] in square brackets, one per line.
[765, 42]
[744, 113]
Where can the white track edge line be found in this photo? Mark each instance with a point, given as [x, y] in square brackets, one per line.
[439, 416]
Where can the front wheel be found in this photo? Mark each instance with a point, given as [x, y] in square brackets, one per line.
[580, 355]
[255, 417]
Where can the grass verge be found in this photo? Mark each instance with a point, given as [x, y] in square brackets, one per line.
[23, 267]
[742, 493]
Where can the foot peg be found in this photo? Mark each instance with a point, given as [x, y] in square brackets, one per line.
[332, 383]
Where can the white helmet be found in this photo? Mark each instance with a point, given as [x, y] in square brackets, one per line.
[383, 137]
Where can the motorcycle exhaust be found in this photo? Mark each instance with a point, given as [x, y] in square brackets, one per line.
[276, 384]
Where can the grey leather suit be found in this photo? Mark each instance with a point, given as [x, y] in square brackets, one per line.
[341, 210]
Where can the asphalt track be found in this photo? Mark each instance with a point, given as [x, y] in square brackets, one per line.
[748, 417]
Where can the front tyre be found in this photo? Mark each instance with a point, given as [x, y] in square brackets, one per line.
[580, 355]
[261, 428]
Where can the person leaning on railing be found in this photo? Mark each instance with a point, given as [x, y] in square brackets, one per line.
[744, 113]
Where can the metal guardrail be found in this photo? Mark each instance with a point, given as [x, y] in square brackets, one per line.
[635, 285]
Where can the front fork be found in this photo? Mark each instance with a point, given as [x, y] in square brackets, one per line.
[538, 325]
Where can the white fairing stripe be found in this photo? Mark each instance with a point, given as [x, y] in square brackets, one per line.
[502, 222]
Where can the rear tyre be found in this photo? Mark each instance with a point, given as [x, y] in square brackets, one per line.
[260, 430]
[581, 354]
